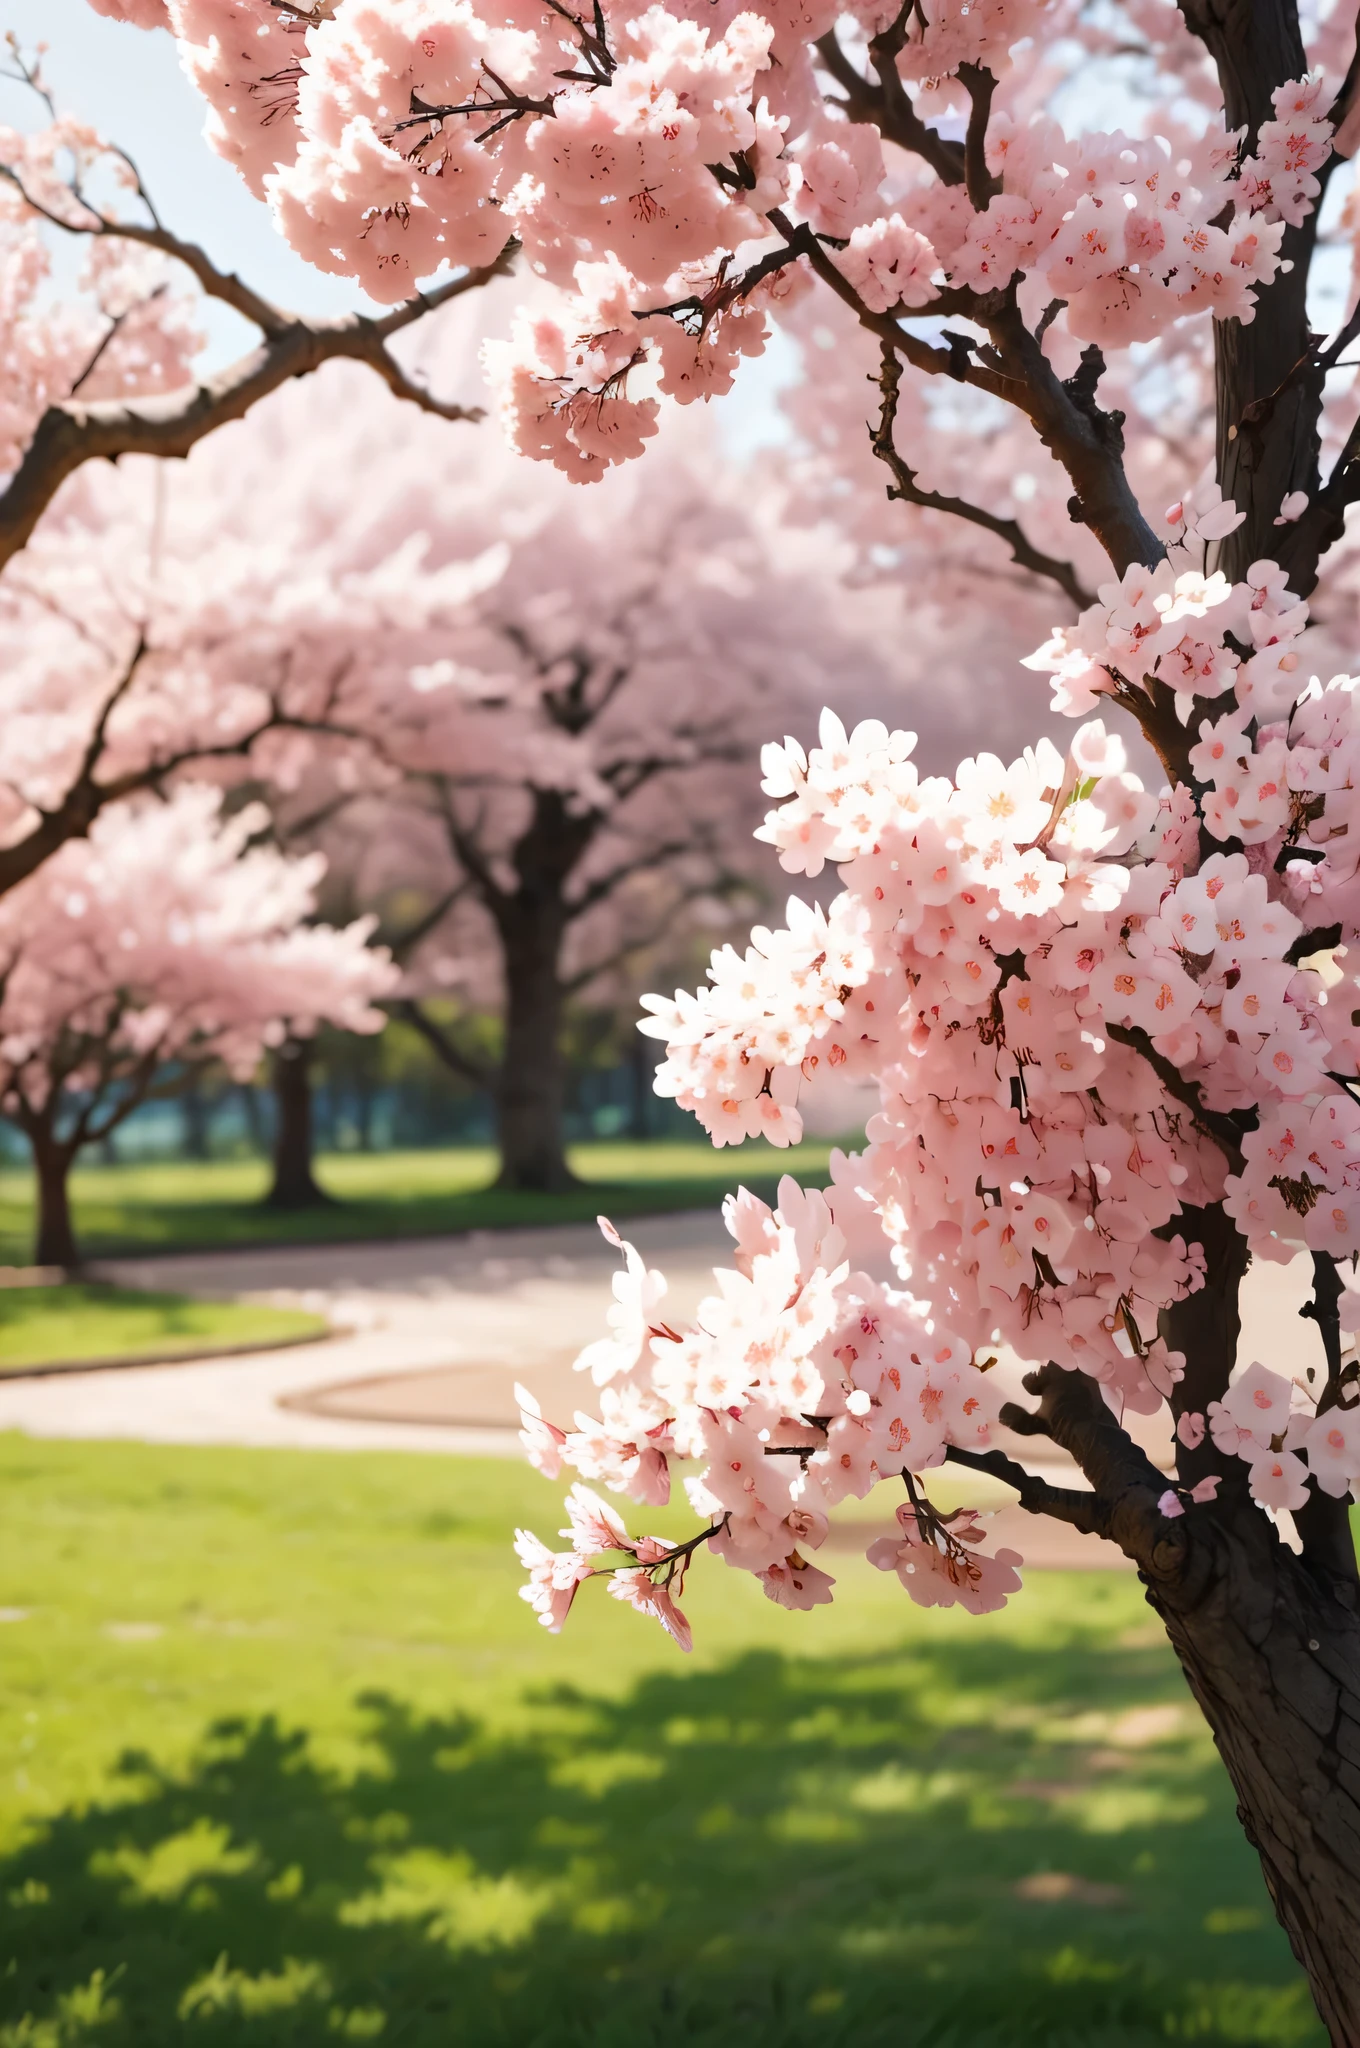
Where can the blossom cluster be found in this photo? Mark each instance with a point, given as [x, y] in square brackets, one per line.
[802, 1383]
[647, 158]
[1280, 179]
[1128, 232]
[164, 936]
[1086, 1006]
[128, 331]
[1285, 1437]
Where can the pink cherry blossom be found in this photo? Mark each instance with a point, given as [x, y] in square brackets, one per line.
[640, 1591]
[1333, 1446]
[794, 1584]
[553, 1579]
[1279, 1479]
[542, 1440]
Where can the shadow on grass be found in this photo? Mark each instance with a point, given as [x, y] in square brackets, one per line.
[778, 1852]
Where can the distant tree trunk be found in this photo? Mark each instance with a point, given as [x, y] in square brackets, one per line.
[364, 1097]
[531, 1089]
[294, 1185]
[56, 1239]
[195, 1118]
[250, 1112]
[641, 1068]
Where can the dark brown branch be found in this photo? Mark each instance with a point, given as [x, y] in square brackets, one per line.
[217, 284]
[887, 105]
[1075, 1413]
[463, 846]
[1215, 1124]
[724, 292]
[629, 947]
[601, 887]
[86, 797]
[909, 491]
[1087, 440]
[101, 349]
[170, 424]
[440, 1043]
[1084, 1511]
[404, 944]
[980, 85]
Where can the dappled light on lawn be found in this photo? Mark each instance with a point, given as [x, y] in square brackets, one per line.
[339, 1787]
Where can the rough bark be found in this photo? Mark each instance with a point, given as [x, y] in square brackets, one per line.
[55, 1241]
[1268, 392]
[1269, 1641]
[294, 1185]
[1270, 1647]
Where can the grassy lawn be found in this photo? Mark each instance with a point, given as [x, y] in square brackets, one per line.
[287, 1764]
[383, 1194]
[77, 1323]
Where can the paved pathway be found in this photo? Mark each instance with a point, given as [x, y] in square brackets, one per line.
[479, 1312]
[432, 1334]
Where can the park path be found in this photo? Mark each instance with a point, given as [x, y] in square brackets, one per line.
[429, 1336]
[444, 1325]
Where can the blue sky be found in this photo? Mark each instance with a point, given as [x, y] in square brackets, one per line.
[128, 83]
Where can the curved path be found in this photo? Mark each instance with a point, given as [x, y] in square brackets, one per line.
[476, 1313]
[431, 1335]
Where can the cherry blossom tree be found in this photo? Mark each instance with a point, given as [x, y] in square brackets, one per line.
[577, 773]
[522, 728]
[164, 938]
[109, 371]
[1113, 1025]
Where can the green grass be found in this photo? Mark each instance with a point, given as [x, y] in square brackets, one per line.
[286, 1764]
[122, 1209]
[80, 1322]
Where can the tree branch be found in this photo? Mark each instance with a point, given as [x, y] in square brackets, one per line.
[604, 886]
[1215, 1124]
[906, 488]
[1084, 1511]
[1074, 1412]
[404, 944]
[169, 424]
[440, 1043]
[86, 797]
[982, 186]
[887, 105]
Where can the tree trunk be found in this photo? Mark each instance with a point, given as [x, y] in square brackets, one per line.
[641, 1073]
[56, 1239]
[294, 1185]
[250, 1114]
[531, 1089]
[1270, 1647]
[1269, 1642]
[364, 1097]
[1268, 394]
